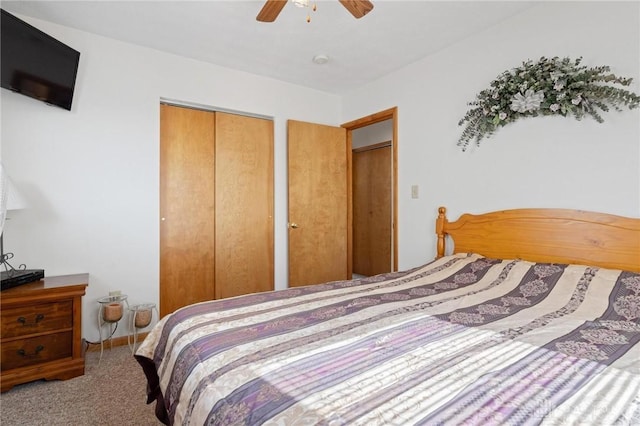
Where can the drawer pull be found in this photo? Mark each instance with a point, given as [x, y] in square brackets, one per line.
[23, 320]
[35, 353]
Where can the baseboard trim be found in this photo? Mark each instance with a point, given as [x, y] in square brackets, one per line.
[115, 342]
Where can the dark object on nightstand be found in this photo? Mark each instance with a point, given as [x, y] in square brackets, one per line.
[20, 276]
[12, 277]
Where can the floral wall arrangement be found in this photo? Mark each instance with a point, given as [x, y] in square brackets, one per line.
[549, 86]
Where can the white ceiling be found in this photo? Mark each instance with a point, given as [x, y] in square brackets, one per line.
[226, 33]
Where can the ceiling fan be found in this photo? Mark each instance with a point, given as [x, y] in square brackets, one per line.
[272, 8]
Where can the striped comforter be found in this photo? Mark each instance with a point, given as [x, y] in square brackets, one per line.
[462, 340]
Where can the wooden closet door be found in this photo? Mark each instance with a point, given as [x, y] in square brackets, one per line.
[187, 233]
[244, 205]
[372, 211]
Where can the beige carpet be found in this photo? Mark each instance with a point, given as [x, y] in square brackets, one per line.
[111, 393]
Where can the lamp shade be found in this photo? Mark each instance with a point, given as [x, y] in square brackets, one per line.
[15, 200]
[3, 197]
[10, 197]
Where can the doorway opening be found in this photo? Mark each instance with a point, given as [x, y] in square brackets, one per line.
[373, 202]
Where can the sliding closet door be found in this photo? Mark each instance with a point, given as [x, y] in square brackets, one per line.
[244, 205]
[187, 233]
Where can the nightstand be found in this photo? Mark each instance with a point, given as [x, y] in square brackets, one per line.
[41, 334]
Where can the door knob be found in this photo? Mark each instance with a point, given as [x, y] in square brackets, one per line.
[293, 225]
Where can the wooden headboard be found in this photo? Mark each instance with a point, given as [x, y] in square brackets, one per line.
[545, 235]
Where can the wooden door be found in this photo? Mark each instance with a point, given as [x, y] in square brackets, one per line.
[318, 203]
[372, 211]
[187, 233]
[244, 205]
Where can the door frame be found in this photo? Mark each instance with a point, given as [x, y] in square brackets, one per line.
[388, 114]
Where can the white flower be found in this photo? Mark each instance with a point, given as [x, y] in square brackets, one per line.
[559, 85]
[502, 115]
[530, 101]
[554, 107]
[555, 75]
[561, 96]
[576, 100]
[495, 95]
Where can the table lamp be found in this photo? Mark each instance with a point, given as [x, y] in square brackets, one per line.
[11, 200]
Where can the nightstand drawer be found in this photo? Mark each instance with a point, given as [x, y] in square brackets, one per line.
[37, 318]
[36, 350]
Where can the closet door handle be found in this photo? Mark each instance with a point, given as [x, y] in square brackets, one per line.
[293, 225]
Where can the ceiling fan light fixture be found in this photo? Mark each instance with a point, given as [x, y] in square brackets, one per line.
[272, 8]
[320, 59]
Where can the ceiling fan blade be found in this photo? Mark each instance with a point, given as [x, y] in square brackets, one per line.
[358, 8]
[271, 10]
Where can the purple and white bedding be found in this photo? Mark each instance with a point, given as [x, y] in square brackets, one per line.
[462, 340]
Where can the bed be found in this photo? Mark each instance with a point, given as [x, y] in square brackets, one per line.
[526, 316]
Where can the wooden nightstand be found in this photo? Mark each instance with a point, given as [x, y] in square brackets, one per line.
[41, 330]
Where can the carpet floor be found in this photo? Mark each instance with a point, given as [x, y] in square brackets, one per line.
[112, 392]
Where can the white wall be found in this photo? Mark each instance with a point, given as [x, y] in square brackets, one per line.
[538, 162]
[91, 175]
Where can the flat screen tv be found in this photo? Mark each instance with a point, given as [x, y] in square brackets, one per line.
[36, 64]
